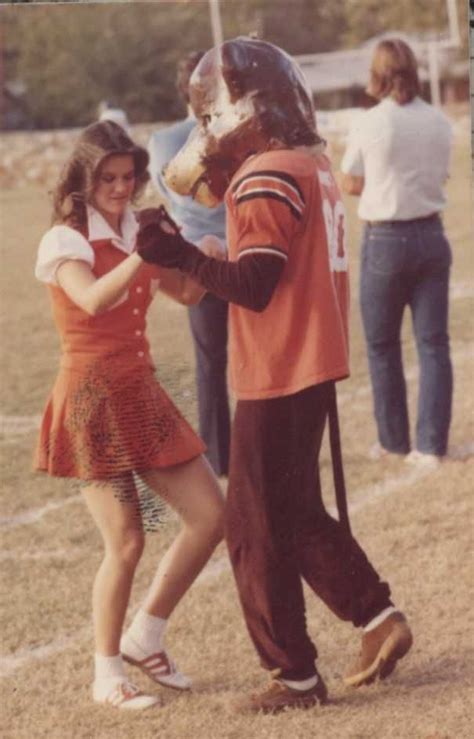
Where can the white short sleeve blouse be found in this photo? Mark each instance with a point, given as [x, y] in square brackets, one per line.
[62, 242]
[58, 245]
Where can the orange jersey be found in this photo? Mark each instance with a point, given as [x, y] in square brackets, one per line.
[286, 202]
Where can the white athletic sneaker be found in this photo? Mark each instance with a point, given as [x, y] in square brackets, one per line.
[158, 666]
[377, 452]
[121, 693]
[428, 461]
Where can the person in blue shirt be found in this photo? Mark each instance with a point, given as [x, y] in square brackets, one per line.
[208, 319]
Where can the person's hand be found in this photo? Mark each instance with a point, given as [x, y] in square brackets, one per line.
[212, 246]
[159, 240]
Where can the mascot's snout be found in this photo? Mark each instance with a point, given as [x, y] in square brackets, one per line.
[248, 96]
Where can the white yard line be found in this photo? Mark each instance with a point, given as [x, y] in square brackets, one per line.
[18, 425]
[33, 515]
[213, 569]
[40, 554]
[460, 290]
[414, 473]
[10, 663]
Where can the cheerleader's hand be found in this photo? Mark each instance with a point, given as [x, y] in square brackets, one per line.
[159, 240]
[212, 246]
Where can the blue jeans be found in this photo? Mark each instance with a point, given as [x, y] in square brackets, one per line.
[408, 263]
[208, 321]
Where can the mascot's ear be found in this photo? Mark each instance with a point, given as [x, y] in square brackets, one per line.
[235, 62]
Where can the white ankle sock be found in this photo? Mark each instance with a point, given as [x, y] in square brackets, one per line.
[107, 668]
[307, 684]
[380, 618]
[148, 631]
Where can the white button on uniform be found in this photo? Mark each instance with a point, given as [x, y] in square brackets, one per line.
[136, 311]
[138, 332]
[141, 354]
[139, 289]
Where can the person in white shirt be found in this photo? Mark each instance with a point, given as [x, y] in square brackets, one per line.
[397, 160]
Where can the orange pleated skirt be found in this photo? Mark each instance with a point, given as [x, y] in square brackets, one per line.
[104, 419]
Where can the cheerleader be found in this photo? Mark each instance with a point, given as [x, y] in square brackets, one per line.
[108, 423]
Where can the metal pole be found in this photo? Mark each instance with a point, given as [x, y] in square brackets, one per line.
[216, 23]
[434, 74]
[455, 36]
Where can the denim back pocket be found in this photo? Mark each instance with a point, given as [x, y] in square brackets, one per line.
[436, 249]
[385, 253]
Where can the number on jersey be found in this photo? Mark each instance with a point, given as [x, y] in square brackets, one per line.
[335, 222]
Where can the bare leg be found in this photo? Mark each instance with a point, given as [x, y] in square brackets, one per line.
[123, 538]
[192, 490]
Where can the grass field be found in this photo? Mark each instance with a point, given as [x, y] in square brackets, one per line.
[415, 526]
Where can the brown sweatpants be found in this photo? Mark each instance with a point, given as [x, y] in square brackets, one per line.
[279, 532]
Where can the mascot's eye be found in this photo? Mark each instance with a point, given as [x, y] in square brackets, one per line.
[205, 119]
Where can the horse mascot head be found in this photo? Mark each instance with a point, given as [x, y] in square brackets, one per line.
[248, 96]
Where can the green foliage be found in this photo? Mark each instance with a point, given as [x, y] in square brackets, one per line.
[71, 56]
[299, 26]
[367, 18]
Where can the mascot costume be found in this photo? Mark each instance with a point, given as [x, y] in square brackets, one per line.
[256, 146]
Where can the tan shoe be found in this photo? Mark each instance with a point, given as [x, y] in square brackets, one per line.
[381, 648]
[278, 697]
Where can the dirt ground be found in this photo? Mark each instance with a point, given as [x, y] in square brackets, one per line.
[416, 527]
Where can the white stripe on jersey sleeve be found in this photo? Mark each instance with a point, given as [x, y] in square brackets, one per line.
[263, 250]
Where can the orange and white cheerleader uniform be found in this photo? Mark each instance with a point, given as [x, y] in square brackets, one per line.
[107, 414]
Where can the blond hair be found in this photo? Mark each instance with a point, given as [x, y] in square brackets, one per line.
[394, 72]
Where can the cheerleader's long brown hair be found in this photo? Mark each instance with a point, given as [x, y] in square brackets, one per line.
[78, 179]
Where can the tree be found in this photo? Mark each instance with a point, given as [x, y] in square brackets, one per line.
[299, 27]
[71, 57]
[367, 18]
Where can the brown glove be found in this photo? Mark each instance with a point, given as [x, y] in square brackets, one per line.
[159, 239]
